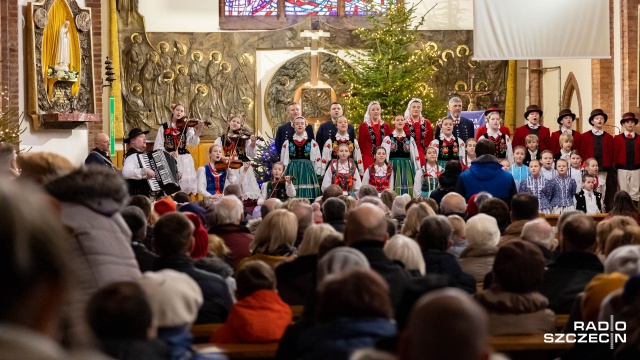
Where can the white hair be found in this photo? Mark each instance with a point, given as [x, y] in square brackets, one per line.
[407, 251]
[539, 232]
[454, 99]
[482, 231]
[228, 210]
[625, 259]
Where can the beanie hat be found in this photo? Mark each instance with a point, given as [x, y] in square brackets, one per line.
[164, 206]
[196, 209]
[625, 259]
[399, 205]
[201, 242]
[340, 260]
[472, 208]
[519, 267]
[175, 298]
[596, 290]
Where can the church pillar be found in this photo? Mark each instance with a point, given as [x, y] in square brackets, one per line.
[98, 66]
[10, 67]
[629, 57]
[535, 84]
[602, 78]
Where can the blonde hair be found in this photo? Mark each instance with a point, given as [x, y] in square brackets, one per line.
[217, 247]
[605, 228]
[530, 138]
[629, 235]
[565, 138]
[350, 202]
[407, 251]
[212, 147]
[313, 237]
[42, 167]
[413, 220]
[279, 227]
[458, 225]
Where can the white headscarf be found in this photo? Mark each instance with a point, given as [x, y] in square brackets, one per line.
[408, 111]
[367, 118]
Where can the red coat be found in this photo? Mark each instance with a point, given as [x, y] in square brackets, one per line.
[261, 317]
[366, 146]
[555, 141]
[620, 151]
[483, 130]
[523, 131]
[586, 149]
[421, 143]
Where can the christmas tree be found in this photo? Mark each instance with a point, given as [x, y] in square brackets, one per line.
[392, 67]
[266, 155]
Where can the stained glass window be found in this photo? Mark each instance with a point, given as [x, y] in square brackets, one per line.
[364, 7]
[251, 7]
[311, 7]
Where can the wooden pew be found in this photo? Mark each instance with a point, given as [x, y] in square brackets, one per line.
[296, 311]
[241, 351]
[202, 332]
[526, 347]
[553, 219]
[561, 321]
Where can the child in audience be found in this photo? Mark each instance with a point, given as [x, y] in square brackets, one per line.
[505, 165]
[547, 169]
[575, 168]
[591, 167]
[589, 200]
[427, 177]
[303, 160]
[283, 188]
[469, 153]
[562, 189]
[518, 169]
[532, 152]
[343, 172]
[536, 186]
[380, 174]
[447, 145]
[211, 181]
[566, 144]
[403, 155]
[260, 315]
[626, 147]
[459, 236]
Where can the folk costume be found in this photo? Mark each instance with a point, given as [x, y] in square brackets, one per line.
[483, 130]
[330, 150]
[211, 181]
[328, 129]
[502, 143]
[134, 174]
[531, 155]
[344, 175]
[170, 139]
[555, 137]
[519, 173]
[544, 136]
[370, 135]
[421, 130]
[302, 158]
[237, 148]
[590, 202]
[448, 148]
[536, 186]
[426, 180]
[403, 156]
[99, 157]
[381, 177]
[561, 192]
[282, 191]
[598, 144]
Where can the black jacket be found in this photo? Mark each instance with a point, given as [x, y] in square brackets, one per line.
[444, 263]
[217, 299]
[297, 279]
[123, 349]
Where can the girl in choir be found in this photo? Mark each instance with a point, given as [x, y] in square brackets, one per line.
[562, 189]
[506, 166]
[566, 144]
[536, 186]
[469, 153]
[447, 145]
[427, 176]
[371, 133]
[518, 169]
[591, 167]
[236, 145]
[403, 156]
[280, 186]
[175, 140]
[380, 174]
[303, 160]
[547, 169]
[330, 147]
[501, 141]
[211, 181]
[575, 169]
[343, 172]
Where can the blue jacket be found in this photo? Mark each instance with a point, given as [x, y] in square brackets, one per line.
[486, 174]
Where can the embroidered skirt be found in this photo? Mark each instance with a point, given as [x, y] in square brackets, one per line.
[306, 182]
[189, 181]
[404, 176]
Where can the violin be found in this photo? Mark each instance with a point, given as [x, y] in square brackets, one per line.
[224, 165]
[282, 180]
[184, 122]
[244, 134]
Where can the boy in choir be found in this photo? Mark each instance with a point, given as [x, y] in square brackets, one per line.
[598, 144]
[380, 174]
[591, 167]
[589, 200]
[547, 169]
[283, 188]
[536, 186]
[403, 155]
[575, 168]
[533, 151]
[533, 115]
[211, 181]
[447, 145]
[565, 120]
[330, 147]
[501, 140]
[427, 176]
[518, 169]
[566, 144]
[343, 172]
[626, 148]
[562, 189]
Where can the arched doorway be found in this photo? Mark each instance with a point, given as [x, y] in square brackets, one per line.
[571, 99]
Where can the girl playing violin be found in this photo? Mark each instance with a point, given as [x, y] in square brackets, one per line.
[175, 140]
[302, 159]
[380, 174]
[211, 181]
[279, 187]
[237, 146]
[343, 172]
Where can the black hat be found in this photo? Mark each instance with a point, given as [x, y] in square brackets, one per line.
[629, 116]
[492, 108]
[133, 133]
[565, 112]
[532, 108]
[596, 112]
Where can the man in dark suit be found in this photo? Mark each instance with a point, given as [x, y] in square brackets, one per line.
[99, 154]
[462, 127]
[329, 129]
[285, 132]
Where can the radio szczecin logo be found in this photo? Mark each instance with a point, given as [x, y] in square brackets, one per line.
[592, 332]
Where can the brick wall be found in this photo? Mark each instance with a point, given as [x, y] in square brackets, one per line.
[602, 77]
[98, 66]
[629, 56]
[9, 70]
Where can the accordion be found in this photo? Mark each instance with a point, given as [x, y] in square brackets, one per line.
[166, 169]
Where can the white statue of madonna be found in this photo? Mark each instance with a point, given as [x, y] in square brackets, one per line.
[63, 56]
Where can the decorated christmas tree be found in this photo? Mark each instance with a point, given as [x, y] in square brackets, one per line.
[266, 155]
[392, 67]
[9, 122]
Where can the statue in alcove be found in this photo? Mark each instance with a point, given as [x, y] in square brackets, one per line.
[63, 54]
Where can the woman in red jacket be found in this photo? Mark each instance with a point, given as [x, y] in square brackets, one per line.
[371, 133]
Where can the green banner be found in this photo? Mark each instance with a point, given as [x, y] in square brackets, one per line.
[112, 131]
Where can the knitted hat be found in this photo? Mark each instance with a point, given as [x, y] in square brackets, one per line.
[399, 205]
[472, 208]
[175, 298]
[164, 206]
[519, 267]
[565, 112]
[201, 242]
[196, 209]
[340, 260]
[596, 290]
[625, 259]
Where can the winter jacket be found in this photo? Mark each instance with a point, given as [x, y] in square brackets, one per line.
[478, 261]
[441, 262]
[297, 279]
[237, 238]
[486, 174]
